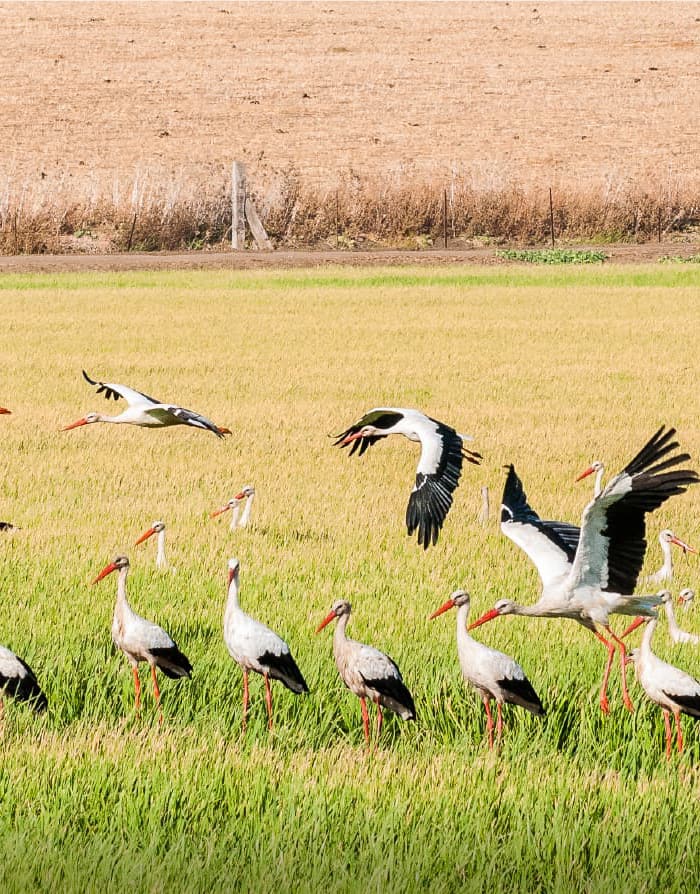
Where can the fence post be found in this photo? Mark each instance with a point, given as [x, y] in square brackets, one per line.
[238, 206]
[484, 515]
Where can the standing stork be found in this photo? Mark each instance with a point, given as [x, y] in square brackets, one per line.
[142, 640]
[158, 527]
[17, 680]
[255, 647]
[593, 579]
[494, 675]
[439, 468]
[665, 573]
[367, 672]
[234, 504]
[677, 635]
[673, 690]
[145, 411]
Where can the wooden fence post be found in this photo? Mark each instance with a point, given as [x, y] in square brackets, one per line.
[238, 189]
[484, 515]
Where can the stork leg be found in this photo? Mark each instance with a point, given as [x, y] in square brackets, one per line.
[365, 718]
[156, 693]
[380, 718]
[499, 722]
[679, 731]
[137, 690]
[623, 667]
[489, 720]
[246, 698]
[268, 701]
[604, 705]
[667, 724]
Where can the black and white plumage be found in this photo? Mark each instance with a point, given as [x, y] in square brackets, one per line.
[675, 691]
[367, 672]
[677, 635]
[494, 675]
[8, 526]
[600, 578]
[18, 681]
[255, 647]
[142, 640]
[145, 411]
[439, 468]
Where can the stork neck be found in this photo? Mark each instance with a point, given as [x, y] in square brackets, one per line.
[246, 511]
[232, 601]
[671, 615]
[598, 486]
[339, 635]
[667, 567]
[645, 647]
[122, 601]
[235, 512]
[463, 636]
[160, 556]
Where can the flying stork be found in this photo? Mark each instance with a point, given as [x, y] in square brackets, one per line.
[145, 411]
[590, 574]
[439, 468]
[494, 675]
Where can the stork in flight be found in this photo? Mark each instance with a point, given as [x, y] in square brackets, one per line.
[158, 527]
[494, 675]
[673, 690]
[367, 672]
[142, 640]
[145, 411]
[589, 574]
[255, 647]
[439, 468]
[17, 680]
[234, 504]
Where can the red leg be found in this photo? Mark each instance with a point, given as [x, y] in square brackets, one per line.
[137, 689]
[604, 706]
[623, 667]
[246, 698]
[268, 700]
[365, 719]
[380, 718]
[499, 722]
[156, 693]
[489, 720]
[679, 731]
[667, 724]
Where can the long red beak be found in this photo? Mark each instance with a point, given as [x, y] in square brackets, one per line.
[239, 496]
[5, 412]
[683, 546]
[219, 511]
[224, 431]
[443, 608]
[146, 534]
[489, 616]
[108, 569]
[327, 620]
[633, 626]
[589, 471]
[75, 424]
[350, 438]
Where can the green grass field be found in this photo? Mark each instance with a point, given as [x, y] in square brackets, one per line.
[548, 369]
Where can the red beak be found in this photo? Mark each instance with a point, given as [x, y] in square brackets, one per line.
[331, 616]
[489, 616]
[224, 431]
[443, 608]
[589, 471]
[633, 626]
[350, 438]
[75, 424]
[108, 569]
[4, 412]
[146, 534]
[239, 496]
[219, 511]
[683, 546]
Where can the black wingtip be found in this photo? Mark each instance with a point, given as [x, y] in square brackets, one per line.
[88, 379]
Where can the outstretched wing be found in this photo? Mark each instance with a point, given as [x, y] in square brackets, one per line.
[378, 418]
[551, 545]
[437, 477]
[613, 529]
[111, 390]
[167, 414]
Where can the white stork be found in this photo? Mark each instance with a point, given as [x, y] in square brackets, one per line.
[599, 469]
[142, 640]
[590, 574]
[666, 538]
[234, 504]
[686, 597]
[494, 675]
[367, 672]
[158, 527]
[145, 411]
[17, 680]
[677, 635]
[439, 468]
[675, 691]
[255, 647]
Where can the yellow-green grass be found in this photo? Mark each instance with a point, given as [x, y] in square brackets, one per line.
[547, 369]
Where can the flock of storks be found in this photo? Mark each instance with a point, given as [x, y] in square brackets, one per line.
[587, 574]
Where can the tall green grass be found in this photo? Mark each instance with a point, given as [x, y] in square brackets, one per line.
[547, 369]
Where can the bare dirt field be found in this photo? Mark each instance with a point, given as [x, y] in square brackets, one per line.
[98, 95]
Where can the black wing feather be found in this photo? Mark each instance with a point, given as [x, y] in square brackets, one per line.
[395, 689]
[172, 662]
[377, 418]
[284, 668]
[521, 692]
[24, 689]
[111, 393]
[689, 704]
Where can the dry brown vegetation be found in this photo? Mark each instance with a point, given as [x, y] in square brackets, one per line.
[361, 112]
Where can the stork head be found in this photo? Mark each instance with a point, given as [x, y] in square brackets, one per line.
[340, 607]
[686, 596]
[667, 536]
[234, 567]
[632, 656]
[86, 420]
[155, 528]
[664, 596]
[247, 491]
[119, 563]
[459, 597]
[502, 607]
[596, 466]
